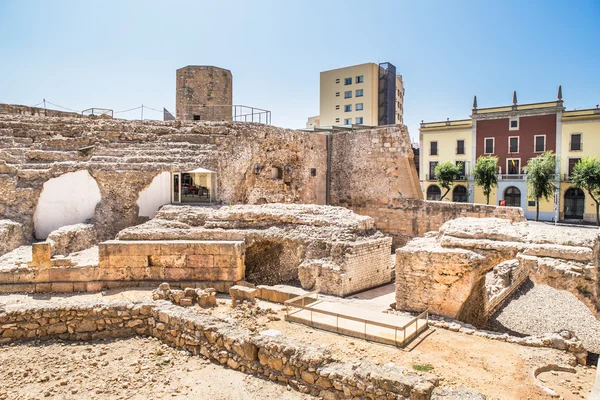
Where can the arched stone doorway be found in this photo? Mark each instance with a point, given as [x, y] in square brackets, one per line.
[460, 194]
[434, 193]
[512, 196]
[574, 203]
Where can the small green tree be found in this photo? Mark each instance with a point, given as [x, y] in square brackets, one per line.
[541, 172]
[446, 173]
[586, 175]
[486, 174]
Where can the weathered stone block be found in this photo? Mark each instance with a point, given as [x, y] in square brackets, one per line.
[241, 293]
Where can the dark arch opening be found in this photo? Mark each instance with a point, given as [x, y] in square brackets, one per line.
[434, 193]
[512, 196]
[460, 194]
[574, 203]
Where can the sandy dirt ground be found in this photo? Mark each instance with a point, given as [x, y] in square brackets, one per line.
[498, 369]
[136, 368]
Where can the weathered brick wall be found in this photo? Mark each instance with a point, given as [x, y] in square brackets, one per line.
[205, 92]
[404, 219]
[172, 260]
[373, 167]
[368, 265]
[124, 157]
[309, 368]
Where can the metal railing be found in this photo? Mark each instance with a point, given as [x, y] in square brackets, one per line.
[234, 112]
[300, 303]
[97, 111]
[511, 176]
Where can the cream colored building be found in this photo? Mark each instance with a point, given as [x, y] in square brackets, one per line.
[365, 94]
[580, 138]
[446, 141]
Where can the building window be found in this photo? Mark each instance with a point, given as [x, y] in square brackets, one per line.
[513, 144]
[462, 174]
[460, 146]
[513, 166]
[337, 94]
[576, 141]
[196, 117]
[348, 121]
[313, 172]
[337, 80]
[513, 124]
[460, 194]
[337, 106]
[359, 106]
[359, 120]
[348, 108]
[360, 79]
[434, 193]
[337, 120]
[489, 146]
[348, 94]
[359, 92]
[432, 165]
[572, 163]
[348, 81]
[433, 149]
[540, 143]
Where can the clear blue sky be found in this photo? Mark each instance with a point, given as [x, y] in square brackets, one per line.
[118, 55]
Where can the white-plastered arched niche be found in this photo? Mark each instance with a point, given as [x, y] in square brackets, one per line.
[68, 199]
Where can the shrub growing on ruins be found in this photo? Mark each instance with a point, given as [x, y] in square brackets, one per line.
[486, 174]
[541, 172]
[586, 175]
[446, 173]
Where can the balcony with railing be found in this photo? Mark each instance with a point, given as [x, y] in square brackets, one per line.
[459, 178]
[511, 176]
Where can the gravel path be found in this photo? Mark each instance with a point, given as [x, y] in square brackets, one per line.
[540, 309]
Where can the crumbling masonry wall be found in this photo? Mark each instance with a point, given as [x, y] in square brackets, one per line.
[124, 157]
[445, 271]
[309, 368]
[374, 174]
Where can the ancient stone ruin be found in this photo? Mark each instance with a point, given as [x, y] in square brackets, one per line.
[215, 213]
[456, 271]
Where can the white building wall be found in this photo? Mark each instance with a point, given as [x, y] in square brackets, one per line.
[65, 200]
[157, 194]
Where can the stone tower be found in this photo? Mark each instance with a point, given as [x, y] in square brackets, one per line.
[204, 93]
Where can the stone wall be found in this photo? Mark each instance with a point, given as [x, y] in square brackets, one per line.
[35, 111]
[330, 249]
[373, 167]
[11, 235]
[204, 92]
[309, 368]
[404, 219]
[368, 170]
[445, 272]
[123, 157]
[171, 260]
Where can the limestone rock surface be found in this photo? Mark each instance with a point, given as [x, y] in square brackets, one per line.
[446, 273]
[11, 236]
[72, 238]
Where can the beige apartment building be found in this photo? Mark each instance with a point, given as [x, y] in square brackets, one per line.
[365, 94]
